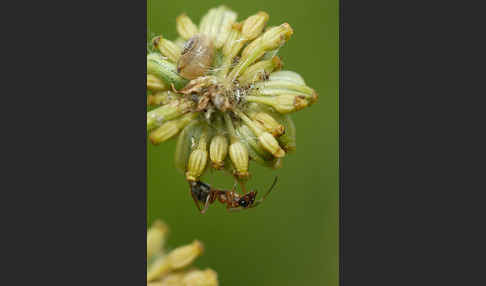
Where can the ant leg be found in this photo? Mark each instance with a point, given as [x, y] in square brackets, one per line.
[234, 209]
[196, 202]
[206, 205]
[242, 186]
[234, 186]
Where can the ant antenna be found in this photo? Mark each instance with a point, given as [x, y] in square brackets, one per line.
[271, 187]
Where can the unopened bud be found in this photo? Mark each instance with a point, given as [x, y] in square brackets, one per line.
[176, 259]
[156, 236]
[191, 133]
[276, 87]
[271, 144]
[167, 48]
[180, 42]
[217, 24]
[172, 279]
[185, 27]
[239, 156]
[287, 75]
[158, 269]
[255, 149]
[287, 140]
[253, 25]
[184, 255]
[270, 40]
[266, 139]
[206, 277]
[155, 84]
[233, 44]
[171, 128]
[284, 103]
[260, 70]
[218, 151]
[197, 160]
[160, 98]
[230, 50]
[168, 112]
[268, 123]
[164, 70]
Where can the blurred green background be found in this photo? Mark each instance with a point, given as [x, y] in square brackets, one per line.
[292, 238]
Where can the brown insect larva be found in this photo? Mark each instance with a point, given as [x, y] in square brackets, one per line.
[196, 58]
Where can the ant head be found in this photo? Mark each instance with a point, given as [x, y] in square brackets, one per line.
[200, 190]
[247, 200]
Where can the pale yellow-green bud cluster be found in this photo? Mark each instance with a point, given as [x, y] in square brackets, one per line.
[173, 268]
[235, 110]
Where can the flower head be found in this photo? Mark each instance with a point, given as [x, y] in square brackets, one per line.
[221, 90]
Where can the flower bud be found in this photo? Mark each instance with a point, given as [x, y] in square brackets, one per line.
[233, 44]
[184, 255]
[271, 144]
[277, 36]
[206, 277]
[287, 140]
[273, 38]
[217, 24]
[255, 149]
[180, 42]
[160, 98]
[284, 103]
[230, 50]
[268, 123]
[239, 156]
[191, 133]
[218, 151]
[176, 259]
[260, 71]
[266, 139]
[168, 112]
[167, 48]
[197, 160]
[276, 87]
[155, 84]
[253, 25]
[158, 269]
[172, 279]
[270, 40]
[171, 128]
[156, 236]
[164, 70]
[287, 75]
[185, 27]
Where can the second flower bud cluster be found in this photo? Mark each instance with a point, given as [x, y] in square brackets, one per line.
[232, 140]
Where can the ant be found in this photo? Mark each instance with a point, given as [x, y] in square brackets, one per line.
[204, 194]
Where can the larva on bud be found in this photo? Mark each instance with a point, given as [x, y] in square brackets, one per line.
[196, 57]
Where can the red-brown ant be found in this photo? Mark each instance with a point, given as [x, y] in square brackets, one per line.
[204, 194]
